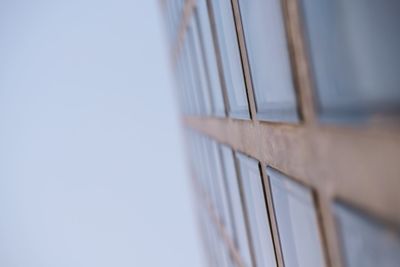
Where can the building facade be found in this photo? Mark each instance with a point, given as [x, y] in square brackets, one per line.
[291, 114]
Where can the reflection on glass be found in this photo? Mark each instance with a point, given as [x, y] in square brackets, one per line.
[366, 241]
[267, 50]
[354, 49]
[297, 222]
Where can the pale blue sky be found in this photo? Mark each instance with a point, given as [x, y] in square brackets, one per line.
[91, 159]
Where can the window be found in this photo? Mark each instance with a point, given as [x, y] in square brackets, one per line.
[210, 58]
[241, 239]
[297, 222]
[201, 87]
[208, 172]
[219, 186]
[231, 60]
[172, 21]
[354, 54]
[196, 101]
[256, 211]
[183, 84]
[350, 50]
[268, 55]
[366, 241]
[211, 237]
[198, 162]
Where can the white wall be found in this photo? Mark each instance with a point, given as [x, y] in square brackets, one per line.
[85, 103]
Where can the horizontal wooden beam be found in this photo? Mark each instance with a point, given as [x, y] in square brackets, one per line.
[357, 165]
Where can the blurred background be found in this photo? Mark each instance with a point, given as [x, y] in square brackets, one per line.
[92, 169]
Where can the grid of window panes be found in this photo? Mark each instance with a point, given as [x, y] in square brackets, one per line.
[209, 67]
[232, 194]
[354, 59]
[233, 184]
[251, 214]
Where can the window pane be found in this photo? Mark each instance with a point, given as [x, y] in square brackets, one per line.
[219, 186]
[366, 241]
[201, 88]
[241, 238]
[191, 80]
[231, 60]
[210, 57]
[208, 173]
[207, 235]
[354, 47]
[267, 50]
[219, 248]
[297, 222]
[183, 82]
[256, 211]
[199, 162]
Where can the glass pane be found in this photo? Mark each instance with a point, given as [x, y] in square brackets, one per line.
[270, 68]
[297, 222]
[210, 57]
[191, 78]
[206, 234]
[183, 85]
[241, 238]
[231, 60]
[366, 241]
[208, 173]
[354, 48]
[256, 211]
[201, 67]
[215, 249]
[219, 188]
[201, 89]
[200, 164]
